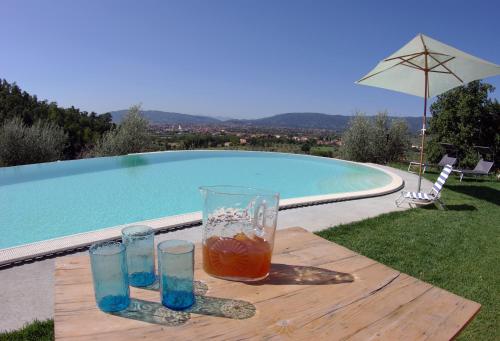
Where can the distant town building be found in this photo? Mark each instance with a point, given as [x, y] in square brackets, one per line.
[243, 141]
[326, 142]
[227, 144]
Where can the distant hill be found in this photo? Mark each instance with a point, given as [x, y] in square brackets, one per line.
[315, 121]
[163, 117]
[289, 120]
[299, 120]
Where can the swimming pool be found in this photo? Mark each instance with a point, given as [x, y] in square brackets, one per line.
[50, 200]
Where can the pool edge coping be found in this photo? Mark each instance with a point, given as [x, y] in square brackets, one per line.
[58, 246]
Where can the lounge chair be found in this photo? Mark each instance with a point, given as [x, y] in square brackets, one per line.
[482, 168]
[421, 198]
[415, 163]
[445, 160]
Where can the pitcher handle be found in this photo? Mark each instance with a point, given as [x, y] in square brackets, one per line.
[262, 206]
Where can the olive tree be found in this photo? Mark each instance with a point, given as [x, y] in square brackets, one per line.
[130, 136]
[356, 139]
[377, 139]
[398, 141]
[21, 144]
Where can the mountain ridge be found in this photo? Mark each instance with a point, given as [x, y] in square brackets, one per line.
[297, 120]
[166, 117]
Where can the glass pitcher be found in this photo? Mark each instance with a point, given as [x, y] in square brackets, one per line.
[238, 231]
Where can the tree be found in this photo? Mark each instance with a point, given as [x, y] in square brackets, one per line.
[398, 141]
[465, 116]
[356, 139]
[379, 139]
[83, 129]
[375, 140]
[131, 136]
[306, 147]
[22, 144]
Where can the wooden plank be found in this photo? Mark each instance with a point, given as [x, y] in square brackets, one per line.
[440, 316]
[347, 321]
[317, 288]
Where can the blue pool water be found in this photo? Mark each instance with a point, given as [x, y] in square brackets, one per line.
[50, 200]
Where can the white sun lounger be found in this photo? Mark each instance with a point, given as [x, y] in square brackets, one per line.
[421, 198]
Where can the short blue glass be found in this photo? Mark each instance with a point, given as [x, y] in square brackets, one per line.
[176, 270]
[139, 242]
[110, 275]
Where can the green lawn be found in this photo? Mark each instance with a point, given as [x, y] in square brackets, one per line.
[36, 331]
[457, 249]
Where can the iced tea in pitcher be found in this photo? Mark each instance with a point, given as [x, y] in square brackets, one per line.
[238, 232]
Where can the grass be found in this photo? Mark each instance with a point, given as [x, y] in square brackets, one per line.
[38, 330]
[456, 249]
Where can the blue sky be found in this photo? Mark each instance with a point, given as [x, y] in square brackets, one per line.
[236, 58]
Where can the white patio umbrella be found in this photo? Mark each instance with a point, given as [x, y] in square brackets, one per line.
[425, 67]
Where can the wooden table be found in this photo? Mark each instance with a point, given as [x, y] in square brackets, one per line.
[317, 291]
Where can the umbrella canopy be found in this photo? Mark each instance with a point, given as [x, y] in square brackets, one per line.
[425, 67]
[447, 68]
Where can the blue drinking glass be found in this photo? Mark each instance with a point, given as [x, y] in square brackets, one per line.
[139, 242]
[176, 270]
[110, 275]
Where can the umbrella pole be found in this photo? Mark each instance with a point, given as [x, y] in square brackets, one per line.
[424, 122]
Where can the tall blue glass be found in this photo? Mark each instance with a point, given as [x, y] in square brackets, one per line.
[176, 270]
[139, 242]
[110, 275]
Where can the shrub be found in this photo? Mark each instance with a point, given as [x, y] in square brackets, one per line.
[356, 139]
[131, 136]
[322, 152]
[375, 140]
[432, 149]
[20, 144]
[378, 140]
[306, 148]
[398, 141]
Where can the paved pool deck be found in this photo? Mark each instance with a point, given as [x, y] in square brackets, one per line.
[26, 291]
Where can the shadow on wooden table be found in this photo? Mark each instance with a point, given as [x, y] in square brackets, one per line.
[154, 312]
[200, 288]
[285, 274]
